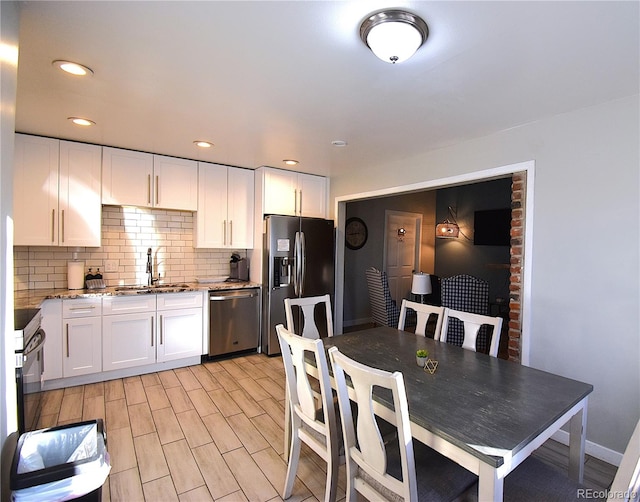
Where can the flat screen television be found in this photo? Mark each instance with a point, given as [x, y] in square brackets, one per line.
[492, 227]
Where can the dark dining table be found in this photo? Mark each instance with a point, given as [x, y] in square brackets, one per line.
[485, 413]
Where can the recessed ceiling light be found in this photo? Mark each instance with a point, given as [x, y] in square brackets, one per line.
[203, 144]
[290, 162]
[73, 68]
[339, 142]
[81, 122]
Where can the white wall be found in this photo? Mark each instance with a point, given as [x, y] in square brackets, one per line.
[8, 78]
[585, 282]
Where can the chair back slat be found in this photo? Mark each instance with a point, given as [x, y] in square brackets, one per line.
[471, 324]
[423, 313]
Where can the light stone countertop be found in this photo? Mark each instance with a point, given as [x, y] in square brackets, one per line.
[33, 298]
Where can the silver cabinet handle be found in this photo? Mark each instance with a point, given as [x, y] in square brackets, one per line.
[300, 202]
[157, 190]
[62, 225]
[224, 232]
[152, 331]
[160, 329]
[53, 225]
[87, 308]
[230, 233]
[295, 202]
[148, 189]
[67, 339]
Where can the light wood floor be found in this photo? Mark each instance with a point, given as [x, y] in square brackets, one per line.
[210, 432]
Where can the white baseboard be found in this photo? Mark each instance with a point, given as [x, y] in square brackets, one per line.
[593, 449]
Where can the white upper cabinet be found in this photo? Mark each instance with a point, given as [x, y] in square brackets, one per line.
[224, 218]
[293, 194]
[56, 192]
[175, 183]
[131, 178]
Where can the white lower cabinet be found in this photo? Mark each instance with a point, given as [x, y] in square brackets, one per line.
[128, 331]
[81, 340]
[179, 334]
[134, 334]
[180, 328]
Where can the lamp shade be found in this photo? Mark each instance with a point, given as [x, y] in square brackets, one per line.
[447, 230]
[421, 284]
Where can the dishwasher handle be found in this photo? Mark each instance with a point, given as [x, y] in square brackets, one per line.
[231, 297]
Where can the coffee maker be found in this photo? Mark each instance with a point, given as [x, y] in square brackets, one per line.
[239, 268]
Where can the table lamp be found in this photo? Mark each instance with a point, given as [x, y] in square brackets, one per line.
[421, 285]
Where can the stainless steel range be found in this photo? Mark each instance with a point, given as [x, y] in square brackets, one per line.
[29, 349]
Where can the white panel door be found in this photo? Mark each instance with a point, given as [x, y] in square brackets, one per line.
[312, 196]
[280, 192]
[127, 177]
[128, 340]
[402, 251]
[35, 191]
[240, 204]
[211, 213]
[179, 334]
[80, 203]
[82, 351]
[175, 184]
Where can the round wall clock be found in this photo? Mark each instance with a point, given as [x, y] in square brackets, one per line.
[355, 233]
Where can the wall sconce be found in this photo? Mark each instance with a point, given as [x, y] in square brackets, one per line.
[421, 285]
[447, 230]
[401, 233]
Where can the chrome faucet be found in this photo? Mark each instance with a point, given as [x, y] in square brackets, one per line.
[149, 268]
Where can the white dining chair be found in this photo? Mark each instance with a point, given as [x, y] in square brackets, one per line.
[400, 469]
[317, 428]
[306, 307]
[423, 313]
[472, 324]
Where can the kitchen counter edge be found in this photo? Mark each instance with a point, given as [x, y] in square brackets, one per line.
[33, 298]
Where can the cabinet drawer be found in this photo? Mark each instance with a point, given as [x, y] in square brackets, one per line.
[84, 307]
[167, 301]
[128, 304]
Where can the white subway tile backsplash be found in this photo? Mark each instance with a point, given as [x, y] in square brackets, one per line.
[127, 233]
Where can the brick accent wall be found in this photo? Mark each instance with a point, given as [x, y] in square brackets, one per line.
[127, 233]
[518, 191]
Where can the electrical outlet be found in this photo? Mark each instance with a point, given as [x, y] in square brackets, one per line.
[111, 266]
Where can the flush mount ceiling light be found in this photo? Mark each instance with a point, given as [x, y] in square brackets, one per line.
[73, 68]
[394, 35]
[203, 144]
[290, 162]
[339, 142]
[81, 121]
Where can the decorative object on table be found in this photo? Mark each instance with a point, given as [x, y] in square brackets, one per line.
[430, 365]
[421, 357]
[355, 233]
[421, 285]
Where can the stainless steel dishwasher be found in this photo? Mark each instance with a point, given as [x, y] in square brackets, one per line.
[234, 320]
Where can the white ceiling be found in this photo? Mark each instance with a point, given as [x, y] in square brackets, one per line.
[271, 80]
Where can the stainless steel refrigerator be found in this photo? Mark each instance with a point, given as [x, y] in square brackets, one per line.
[297, 262]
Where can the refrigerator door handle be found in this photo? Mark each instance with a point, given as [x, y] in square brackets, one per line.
[303, 265]
[296, 264]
